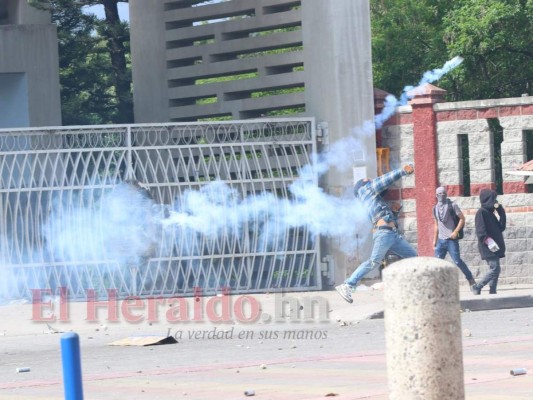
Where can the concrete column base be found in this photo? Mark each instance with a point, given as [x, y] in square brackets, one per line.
[423, 330]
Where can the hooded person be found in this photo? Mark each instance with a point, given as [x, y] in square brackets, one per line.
[490, 222]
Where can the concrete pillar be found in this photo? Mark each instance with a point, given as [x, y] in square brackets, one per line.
[20, 12]
[423, 330]
[149, 67]
[514, 152]
[425, 149]
[339, 91]
[29, 61]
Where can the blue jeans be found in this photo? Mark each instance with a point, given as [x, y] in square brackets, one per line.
[452, 246]
[384, 241]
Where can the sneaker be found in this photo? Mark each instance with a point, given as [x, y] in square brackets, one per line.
[345, 291]
[475, 289]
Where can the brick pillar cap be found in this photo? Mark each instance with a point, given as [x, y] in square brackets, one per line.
[426, 94]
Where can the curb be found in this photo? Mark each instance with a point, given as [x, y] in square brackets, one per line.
[498, 303]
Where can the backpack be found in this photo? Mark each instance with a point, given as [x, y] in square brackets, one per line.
[461, 233]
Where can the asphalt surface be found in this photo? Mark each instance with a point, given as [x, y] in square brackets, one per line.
[338, 351]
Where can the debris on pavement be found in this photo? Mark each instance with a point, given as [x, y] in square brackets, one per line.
[51, 330]
[144, 340]
[23, 369]
[518, 371]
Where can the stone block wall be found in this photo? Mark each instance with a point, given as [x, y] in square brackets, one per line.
[517, 266]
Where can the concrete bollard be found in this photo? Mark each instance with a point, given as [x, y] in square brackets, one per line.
[423, 330]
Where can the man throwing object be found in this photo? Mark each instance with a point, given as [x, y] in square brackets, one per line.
[386, 235]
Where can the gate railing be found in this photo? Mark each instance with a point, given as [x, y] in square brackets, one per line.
[155, 210]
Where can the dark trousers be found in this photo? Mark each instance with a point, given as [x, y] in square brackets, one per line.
[491, 277]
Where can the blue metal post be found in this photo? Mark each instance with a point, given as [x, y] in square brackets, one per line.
[71, 360]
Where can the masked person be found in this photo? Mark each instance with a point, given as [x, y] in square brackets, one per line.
[386, 234]
[490, 241]
[449, 220]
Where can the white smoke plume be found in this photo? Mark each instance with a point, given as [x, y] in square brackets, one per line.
[340, 218]
[218, 209]
[409, 92]
[122, 226]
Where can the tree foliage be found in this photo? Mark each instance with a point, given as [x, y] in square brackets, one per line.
[95, 75]
[493, 36]
[116, 35]
[406, 41]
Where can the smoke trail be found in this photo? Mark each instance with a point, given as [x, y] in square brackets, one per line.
[409, 92]
[122, 226]
[337, 217]
[218, 209]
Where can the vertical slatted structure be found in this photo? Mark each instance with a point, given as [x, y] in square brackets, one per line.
[59, 226]
[234, 59]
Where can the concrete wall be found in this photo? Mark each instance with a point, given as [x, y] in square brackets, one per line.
[14, 100]
[28, 45]
[469, 118]
[338, 89]
[149, 72]
[21, 13]
[183, 44]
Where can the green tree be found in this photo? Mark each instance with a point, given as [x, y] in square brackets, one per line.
[406, 41]
[117, 36]
[493, 36]
[95, 73]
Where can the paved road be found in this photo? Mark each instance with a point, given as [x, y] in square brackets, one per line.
[279, 358]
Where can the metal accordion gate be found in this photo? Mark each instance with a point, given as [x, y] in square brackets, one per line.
[155, 210]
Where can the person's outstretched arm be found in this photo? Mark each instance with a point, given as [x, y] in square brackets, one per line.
[382, 182]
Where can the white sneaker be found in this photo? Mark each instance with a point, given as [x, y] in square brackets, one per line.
[345, 291]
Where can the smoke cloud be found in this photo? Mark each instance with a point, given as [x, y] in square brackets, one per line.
[409, 92]
[216, 207]
[127, 226]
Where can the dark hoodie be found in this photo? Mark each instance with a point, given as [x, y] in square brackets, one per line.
[487, 225]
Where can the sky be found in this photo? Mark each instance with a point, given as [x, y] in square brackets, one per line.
[123, 11]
